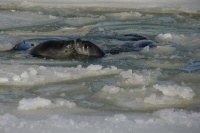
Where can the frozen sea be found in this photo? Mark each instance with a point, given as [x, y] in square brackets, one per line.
[152, 90]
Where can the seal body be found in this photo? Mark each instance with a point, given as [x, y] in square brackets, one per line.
[66, 48]
[53, 49]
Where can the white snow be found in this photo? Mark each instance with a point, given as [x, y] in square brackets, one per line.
[146, 97]
[94, 67]
[39, 103]
[111, 89]
[35, 103]
[37, 75]
[189, 119]
[180, 39]
[59, 102]
[165, 120]
[169, 37]
[3, 80]
[144, 77]
[176, 90]
[118, 118]
[161, 100]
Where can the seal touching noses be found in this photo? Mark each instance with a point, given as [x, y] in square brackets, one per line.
[64, 49]
[87, 48]
[53, 49]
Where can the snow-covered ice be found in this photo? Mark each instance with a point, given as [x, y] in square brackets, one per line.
[39, 103]
[7, 42]
[167, 120]
[39, 75]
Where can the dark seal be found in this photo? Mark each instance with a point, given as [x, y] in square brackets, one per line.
[66, 48]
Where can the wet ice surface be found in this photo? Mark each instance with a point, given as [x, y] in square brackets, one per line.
[22, 19]
[145, 91]
[6, 43]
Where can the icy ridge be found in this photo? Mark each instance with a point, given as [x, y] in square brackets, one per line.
[37, 75]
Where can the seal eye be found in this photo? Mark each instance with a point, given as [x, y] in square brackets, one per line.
[86, 46]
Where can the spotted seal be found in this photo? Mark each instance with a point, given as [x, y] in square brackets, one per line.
[66, 48]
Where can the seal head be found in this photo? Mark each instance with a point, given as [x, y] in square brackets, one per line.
[87, 48]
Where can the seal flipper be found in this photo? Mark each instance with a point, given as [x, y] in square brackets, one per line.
[24, 46]
[135, 37]
[132, 37]
[139, 45]
[129, 47]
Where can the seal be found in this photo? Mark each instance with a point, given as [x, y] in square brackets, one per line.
[66, 48]
[81, 48]
[133, 46]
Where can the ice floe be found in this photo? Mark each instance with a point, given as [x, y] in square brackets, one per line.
[176, 90]
[165, 120]
[39, 75]
[147, 97]
[179, 39]
[144, 77]
[40, 103]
